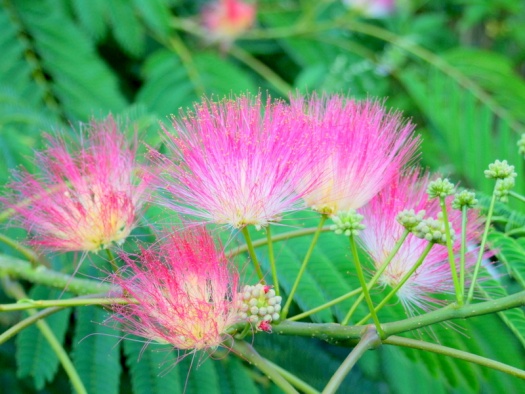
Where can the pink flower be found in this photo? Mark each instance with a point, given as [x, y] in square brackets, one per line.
[85, 197]
[184, 292]
[364, 147]
[225, 20]
[236, 162]
[382, 231]
[372, 8]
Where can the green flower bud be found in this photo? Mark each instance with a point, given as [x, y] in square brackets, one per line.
[440, 188]
[433, 230]
[503, 187]
[347, 223]
[409, 219]
[464, 199]
[500, 170]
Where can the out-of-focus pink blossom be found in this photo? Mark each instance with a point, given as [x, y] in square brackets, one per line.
[372, 8]
[85, 197]
[225, 20]
[236, 162]
[382, 231]
[183, 292]
[363, 146]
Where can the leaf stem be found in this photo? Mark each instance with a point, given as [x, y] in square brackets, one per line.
[252, 254]
[271, 257]
[482, 247]
[459, 354]
[451, 257]
[362, 281]
[263, 70]
[369, 340]
[302, 269]
[377, 275]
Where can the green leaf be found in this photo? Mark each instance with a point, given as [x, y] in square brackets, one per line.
[152, 367]
[202, 378]
[80, 80]
[234, 377]
[156, 15]
[169, 87]
[96, 351]
[34, 356]
[511, 252]
[127, 29]
[472, 127]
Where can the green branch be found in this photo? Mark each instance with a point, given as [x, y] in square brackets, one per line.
[247, 352]
[370, 340]
[459, 354]
[15, 290]
[23, 270]
[333, 332]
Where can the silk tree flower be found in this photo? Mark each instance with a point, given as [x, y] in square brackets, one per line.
[225, 20]
[363, 145]
[236, 162]
[382, 231]
[372, 8]
[184, 292]
[85, 197]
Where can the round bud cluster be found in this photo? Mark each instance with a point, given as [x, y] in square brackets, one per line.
[464, 199]
[521, 145]
[409, 219]
[503, 187]
[500, 170]
[347, 223]
[440, 188]
[260, 306]
[433, 230]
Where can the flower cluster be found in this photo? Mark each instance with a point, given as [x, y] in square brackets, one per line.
[86, 197]
[236, 162]
[364, 147]
[385, 226]
[183, 292]
[225, 20]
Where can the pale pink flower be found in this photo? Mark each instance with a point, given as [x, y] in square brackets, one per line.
[372, 8]
[236, 162]
[382, 231]
[225, 20]
[85, 197]
[183, 292]
[363, 148]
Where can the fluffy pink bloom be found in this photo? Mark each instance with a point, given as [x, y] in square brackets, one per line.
[85, 197]
[363, 146]
[225, 20]
[383, 231]
[372, 8]
[186, 292]
[236, 162]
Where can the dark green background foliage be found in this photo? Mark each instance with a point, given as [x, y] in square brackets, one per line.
[455, 67]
